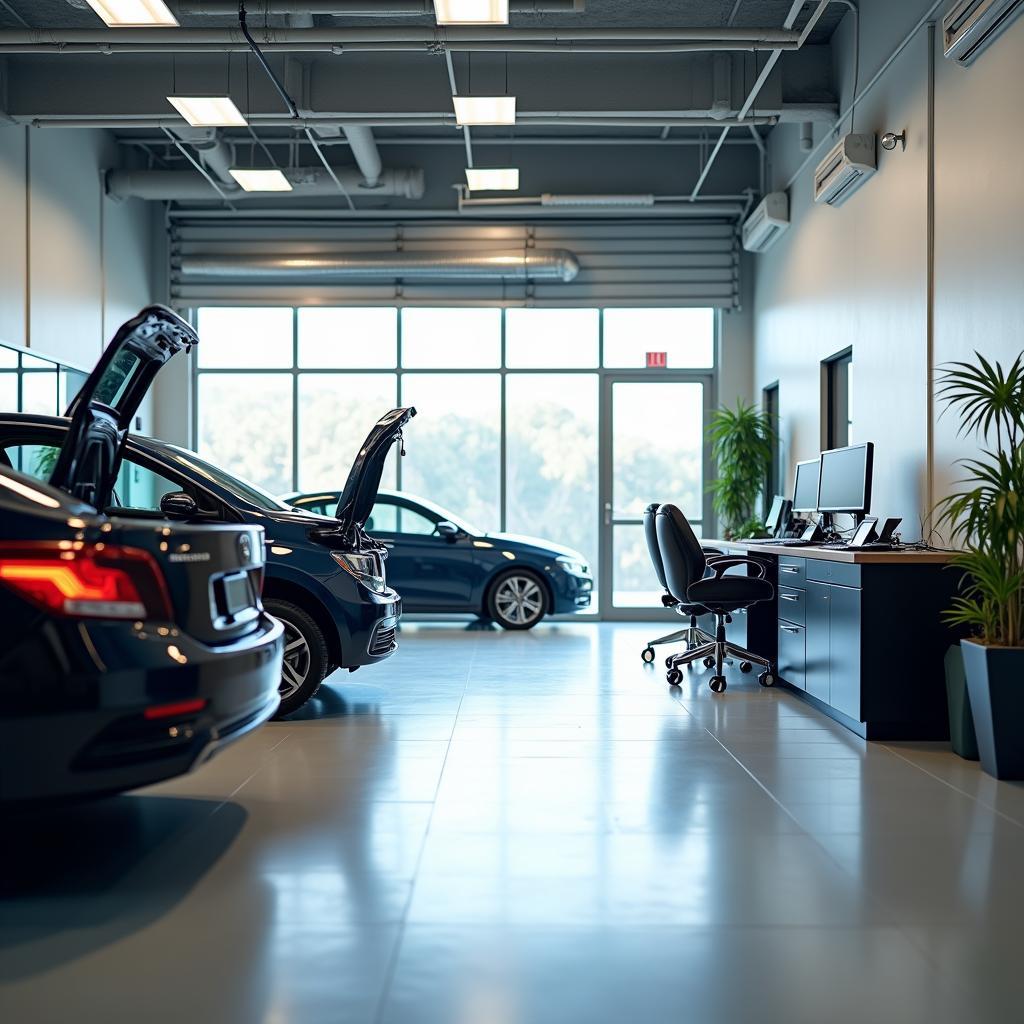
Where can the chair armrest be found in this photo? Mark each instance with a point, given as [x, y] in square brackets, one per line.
[712, 551]
[719, 565]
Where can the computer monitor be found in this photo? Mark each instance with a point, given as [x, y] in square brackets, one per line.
[844, 482]
[777, 516]
[805, 486]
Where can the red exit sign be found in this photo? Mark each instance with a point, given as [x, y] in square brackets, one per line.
[657, 360]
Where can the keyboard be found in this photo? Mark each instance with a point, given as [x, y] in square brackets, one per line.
[791, 542]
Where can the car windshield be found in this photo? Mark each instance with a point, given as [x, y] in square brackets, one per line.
[249, 492]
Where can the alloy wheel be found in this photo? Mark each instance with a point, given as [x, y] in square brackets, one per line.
[519, 600]
[295, 666]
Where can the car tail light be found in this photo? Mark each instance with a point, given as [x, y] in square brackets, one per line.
[175, 710]
[95, 580]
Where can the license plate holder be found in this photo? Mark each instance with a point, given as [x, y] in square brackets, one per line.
[234, 594]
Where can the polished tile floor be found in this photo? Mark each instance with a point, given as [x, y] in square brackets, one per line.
[501, 828]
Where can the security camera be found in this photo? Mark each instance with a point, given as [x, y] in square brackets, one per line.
[890, 139]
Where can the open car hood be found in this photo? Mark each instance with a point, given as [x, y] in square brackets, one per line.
[363, 481]
[103, 410]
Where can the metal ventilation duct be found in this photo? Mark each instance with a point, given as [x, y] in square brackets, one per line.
[328, 268]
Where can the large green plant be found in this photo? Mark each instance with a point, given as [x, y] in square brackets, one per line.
[986, 513]
[742, 441]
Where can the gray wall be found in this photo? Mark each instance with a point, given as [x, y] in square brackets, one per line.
[73, 264]
[859, 274]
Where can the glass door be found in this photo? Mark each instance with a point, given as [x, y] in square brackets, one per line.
[653, 451]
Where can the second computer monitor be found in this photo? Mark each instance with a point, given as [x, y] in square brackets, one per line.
[805, 486]
[844, 483]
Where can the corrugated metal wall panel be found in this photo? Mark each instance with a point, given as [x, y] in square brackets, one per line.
[622, 263]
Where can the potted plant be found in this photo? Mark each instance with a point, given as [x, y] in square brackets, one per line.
[742, 441]
[986, 517]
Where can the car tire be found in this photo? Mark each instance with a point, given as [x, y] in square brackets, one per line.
[305, 664]
[516, 599]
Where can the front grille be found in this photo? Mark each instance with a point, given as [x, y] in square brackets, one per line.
[383, 641]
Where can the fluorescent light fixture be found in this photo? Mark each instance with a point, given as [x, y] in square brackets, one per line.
[492, 179]
[134, 13]
[471, 12]
[208, 111]
[471, 110]
[261, 181]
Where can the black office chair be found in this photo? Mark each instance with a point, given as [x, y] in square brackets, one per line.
[692, 635]
[685, 565]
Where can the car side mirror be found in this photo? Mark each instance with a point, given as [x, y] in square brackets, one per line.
[448, 530]
[179, 505]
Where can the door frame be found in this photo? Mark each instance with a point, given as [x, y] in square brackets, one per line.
[609, 378]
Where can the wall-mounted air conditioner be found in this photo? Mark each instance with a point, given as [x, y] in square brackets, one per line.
[850, 163]
[769, 219]
[971, 25]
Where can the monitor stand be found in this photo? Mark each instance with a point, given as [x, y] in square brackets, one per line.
[828, 526]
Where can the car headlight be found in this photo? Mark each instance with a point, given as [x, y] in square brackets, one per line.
[368, 569]
[572, 565]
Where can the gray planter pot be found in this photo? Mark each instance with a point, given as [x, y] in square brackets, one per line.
[995, 682]
[961, 721]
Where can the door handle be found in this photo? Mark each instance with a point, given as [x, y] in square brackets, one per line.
[789, 597]
[790, 629]
[794, 569]
[607, 513]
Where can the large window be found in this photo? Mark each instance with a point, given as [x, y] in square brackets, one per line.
[508, 401]
[838, 371]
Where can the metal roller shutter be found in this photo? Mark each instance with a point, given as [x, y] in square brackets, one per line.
[622, 263]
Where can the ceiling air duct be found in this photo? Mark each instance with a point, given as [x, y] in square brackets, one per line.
[332, 268]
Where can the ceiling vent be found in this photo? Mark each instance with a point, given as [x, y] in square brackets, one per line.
[848, 165]
[971, 25]
[767, 222]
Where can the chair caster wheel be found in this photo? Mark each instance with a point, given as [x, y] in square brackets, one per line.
[648, 655]
[669, 662]
[766, 679]
[717, 684]
[745, 666]
[674, 677]
[709, 661]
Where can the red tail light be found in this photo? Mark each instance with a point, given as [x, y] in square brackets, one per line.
[94, 580]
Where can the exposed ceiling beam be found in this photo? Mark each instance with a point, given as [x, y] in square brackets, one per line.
[367, 8]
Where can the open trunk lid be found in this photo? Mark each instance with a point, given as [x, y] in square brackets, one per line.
[363, 481]
[104, 408]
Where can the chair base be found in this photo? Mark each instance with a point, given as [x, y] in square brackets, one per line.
[720, 651]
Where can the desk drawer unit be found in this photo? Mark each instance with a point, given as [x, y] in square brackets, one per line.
[791, 605]
[792, 655]
[842, 573]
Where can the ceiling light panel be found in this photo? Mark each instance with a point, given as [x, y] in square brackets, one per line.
[134, 13]
[471, 12]
[208, 111]
[261, 180]
[492, 179]
[470, 110]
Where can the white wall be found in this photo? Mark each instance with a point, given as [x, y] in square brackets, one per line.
[859, 274]
[73, 264]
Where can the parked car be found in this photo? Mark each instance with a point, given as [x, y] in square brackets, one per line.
[132, 650]
[324, 579]
[441, 563]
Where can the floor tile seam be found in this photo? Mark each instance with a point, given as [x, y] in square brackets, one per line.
[877, 901]
[392, 965]
[956, 789]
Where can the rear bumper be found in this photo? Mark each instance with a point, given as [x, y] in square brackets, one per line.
[99, 740]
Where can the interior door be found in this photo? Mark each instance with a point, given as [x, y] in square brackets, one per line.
[654, 451]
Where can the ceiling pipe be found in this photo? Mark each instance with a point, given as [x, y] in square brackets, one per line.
[215, 154]
[364, 151]
[327, 268]
[717, 212]
[337, 40]
[371, 8]
[523, 119]
[406, 183]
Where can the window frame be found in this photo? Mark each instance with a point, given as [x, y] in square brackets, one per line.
[836, 371]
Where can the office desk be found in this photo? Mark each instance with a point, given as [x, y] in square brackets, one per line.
[859, 634]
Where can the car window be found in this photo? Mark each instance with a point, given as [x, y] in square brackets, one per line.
[415, 523]
[36, 460]
[138, 487]
[383, 518]
[319, 507]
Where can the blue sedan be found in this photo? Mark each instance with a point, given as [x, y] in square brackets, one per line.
[441, 563]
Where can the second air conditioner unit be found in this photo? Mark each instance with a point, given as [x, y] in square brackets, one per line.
[971, 25]
[769, 219]
[850, 162]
